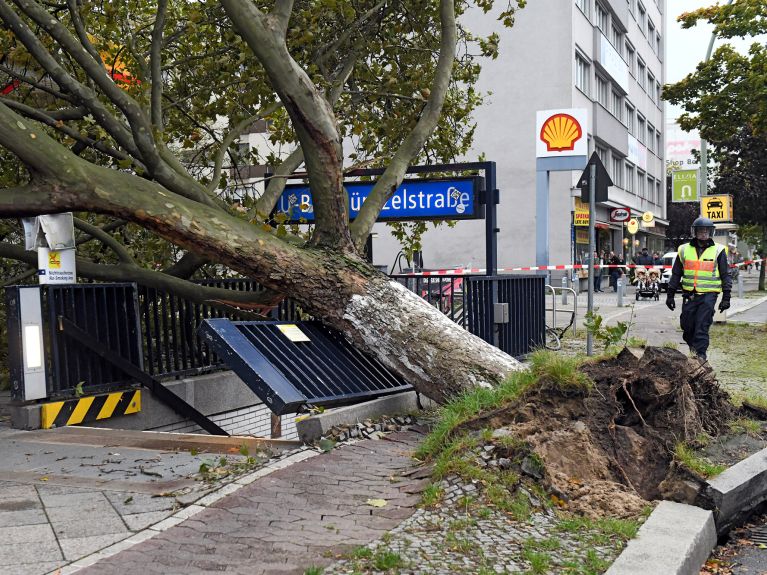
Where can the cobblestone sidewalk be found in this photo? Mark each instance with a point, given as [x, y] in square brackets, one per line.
[300, 516]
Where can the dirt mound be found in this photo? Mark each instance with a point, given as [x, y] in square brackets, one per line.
[607, 451]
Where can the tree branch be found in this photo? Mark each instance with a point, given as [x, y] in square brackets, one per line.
[413, 143]
[155, 60]
[106, 239]
[189, 263]
[260, 302]
[276, 185]
[281, 14]
[80, 30]
[312, 118]
[141, 128]
[231, 136]
[35, 84]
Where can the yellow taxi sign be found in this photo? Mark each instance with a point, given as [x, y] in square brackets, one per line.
[716, 208]
[633, 226]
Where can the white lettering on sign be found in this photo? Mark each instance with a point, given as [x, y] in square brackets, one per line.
[620, 215]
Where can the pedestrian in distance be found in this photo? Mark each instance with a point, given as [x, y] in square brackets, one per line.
[597, 272]
[702, 271]
[657, 260]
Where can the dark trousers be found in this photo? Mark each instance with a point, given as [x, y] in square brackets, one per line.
[598, 280]
[696, 319]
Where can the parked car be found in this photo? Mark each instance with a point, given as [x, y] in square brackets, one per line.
[668, 260]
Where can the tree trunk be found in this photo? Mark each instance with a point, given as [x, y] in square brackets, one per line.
[411, 337]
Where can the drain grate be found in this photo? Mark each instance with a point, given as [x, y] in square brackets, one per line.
[759, 535]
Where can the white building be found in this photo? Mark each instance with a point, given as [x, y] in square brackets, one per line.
[602, 55]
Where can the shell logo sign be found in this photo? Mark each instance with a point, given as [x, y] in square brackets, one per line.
[561, 133]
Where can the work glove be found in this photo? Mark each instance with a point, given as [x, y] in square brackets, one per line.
[725, 303]
[670, 301]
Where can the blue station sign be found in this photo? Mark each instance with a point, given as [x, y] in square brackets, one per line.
[453, 199]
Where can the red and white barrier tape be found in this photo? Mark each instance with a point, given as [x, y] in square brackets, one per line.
[463, 271]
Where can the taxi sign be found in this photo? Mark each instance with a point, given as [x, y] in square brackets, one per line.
[716, 208]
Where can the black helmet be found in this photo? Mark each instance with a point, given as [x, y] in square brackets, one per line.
[702, 223]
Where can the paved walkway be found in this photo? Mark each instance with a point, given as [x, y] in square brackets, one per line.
[757, 314]
[292, 519]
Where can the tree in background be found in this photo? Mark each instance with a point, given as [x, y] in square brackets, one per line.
[124, 112]
[725, 99]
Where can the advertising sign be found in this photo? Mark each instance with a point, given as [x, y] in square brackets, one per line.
[637, 152]
[620, 215]
[633, 226]
[561, 133]
[684, 186]
[613, 63]
[716, 208]
[56, 267]
[581, 214]
[455, 199]
[648, 218]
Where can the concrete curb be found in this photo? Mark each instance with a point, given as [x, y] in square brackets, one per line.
[748, 306]
[738, 490]
[678, 538]
[675, 540]
[313, 427]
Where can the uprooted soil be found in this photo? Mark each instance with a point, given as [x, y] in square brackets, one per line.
[609, 450]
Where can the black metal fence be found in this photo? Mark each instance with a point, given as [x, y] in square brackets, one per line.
[109, 312]
[468, 300]
[157, 331]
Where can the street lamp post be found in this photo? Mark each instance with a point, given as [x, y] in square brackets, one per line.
[703, 145]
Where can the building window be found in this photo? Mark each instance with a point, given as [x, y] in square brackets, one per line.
[657, 143]
[616, 38]
[657, 92]
[641, 72]
[640, 128]
[632, 5]
[630, 118]
[629, 187]
[641, 187]
[582, 75]
[651, 35]
[583, 5]
[630, 60]
[601, 18]
[602, 153]
[603, 92]
[650, 137]
[651, 85]
[651, 188]
[657, 44]
[616, 105]
[658, 200]
[617, 171]
[642, 18]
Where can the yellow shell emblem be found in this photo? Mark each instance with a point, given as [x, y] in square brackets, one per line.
[560, 132]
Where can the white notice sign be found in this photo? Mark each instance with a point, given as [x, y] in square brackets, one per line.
[56, 267]
[293, 332]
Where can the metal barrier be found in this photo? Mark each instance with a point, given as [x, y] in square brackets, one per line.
[169, 323]
[507, 311]
[553, 309]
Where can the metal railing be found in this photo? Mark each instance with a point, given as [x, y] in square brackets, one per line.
[553, 309]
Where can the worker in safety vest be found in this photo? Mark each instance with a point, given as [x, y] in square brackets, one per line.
[702, 270]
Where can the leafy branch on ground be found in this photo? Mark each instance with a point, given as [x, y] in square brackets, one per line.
[608, 335]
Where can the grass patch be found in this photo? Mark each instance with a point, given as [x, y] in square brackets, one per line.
[737, 354]
[670, 345]
[384, 560]
[313, 571]
[600, 531]
[431, 495]
[750, 427]
[539, 562]
[696, 463]
[545, 367]
[636, 342]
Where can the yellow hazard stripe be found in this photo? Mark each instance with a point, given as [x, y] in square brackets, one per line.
[109, 406]
[80, 411]
[91, 408]
[135, 403]
[49, 412]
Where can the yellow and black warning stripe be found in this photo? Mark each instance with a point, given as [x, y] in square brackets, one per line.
[91, 408]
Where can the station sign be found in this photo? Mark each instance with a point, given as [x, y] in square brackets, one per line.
[716, 208]
[417, 199]
[620, 215]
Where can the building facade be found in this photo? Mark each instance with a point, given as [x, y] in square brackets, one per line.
[606, 56]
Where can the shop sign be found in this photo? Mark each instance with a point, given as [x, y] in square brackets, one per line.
[633, 226]
[581, 214]
[561, 133]
[684, 186]
[620, 215]
[716, 208]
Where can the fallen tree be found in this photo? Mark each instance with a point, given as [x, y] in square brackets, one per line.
[118, 159]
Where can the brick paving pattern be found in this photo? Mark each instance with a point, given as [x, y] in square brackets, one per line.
[283, 523]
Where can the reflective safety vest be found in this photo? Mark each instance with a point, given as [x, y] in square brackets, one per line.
[701, 274]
